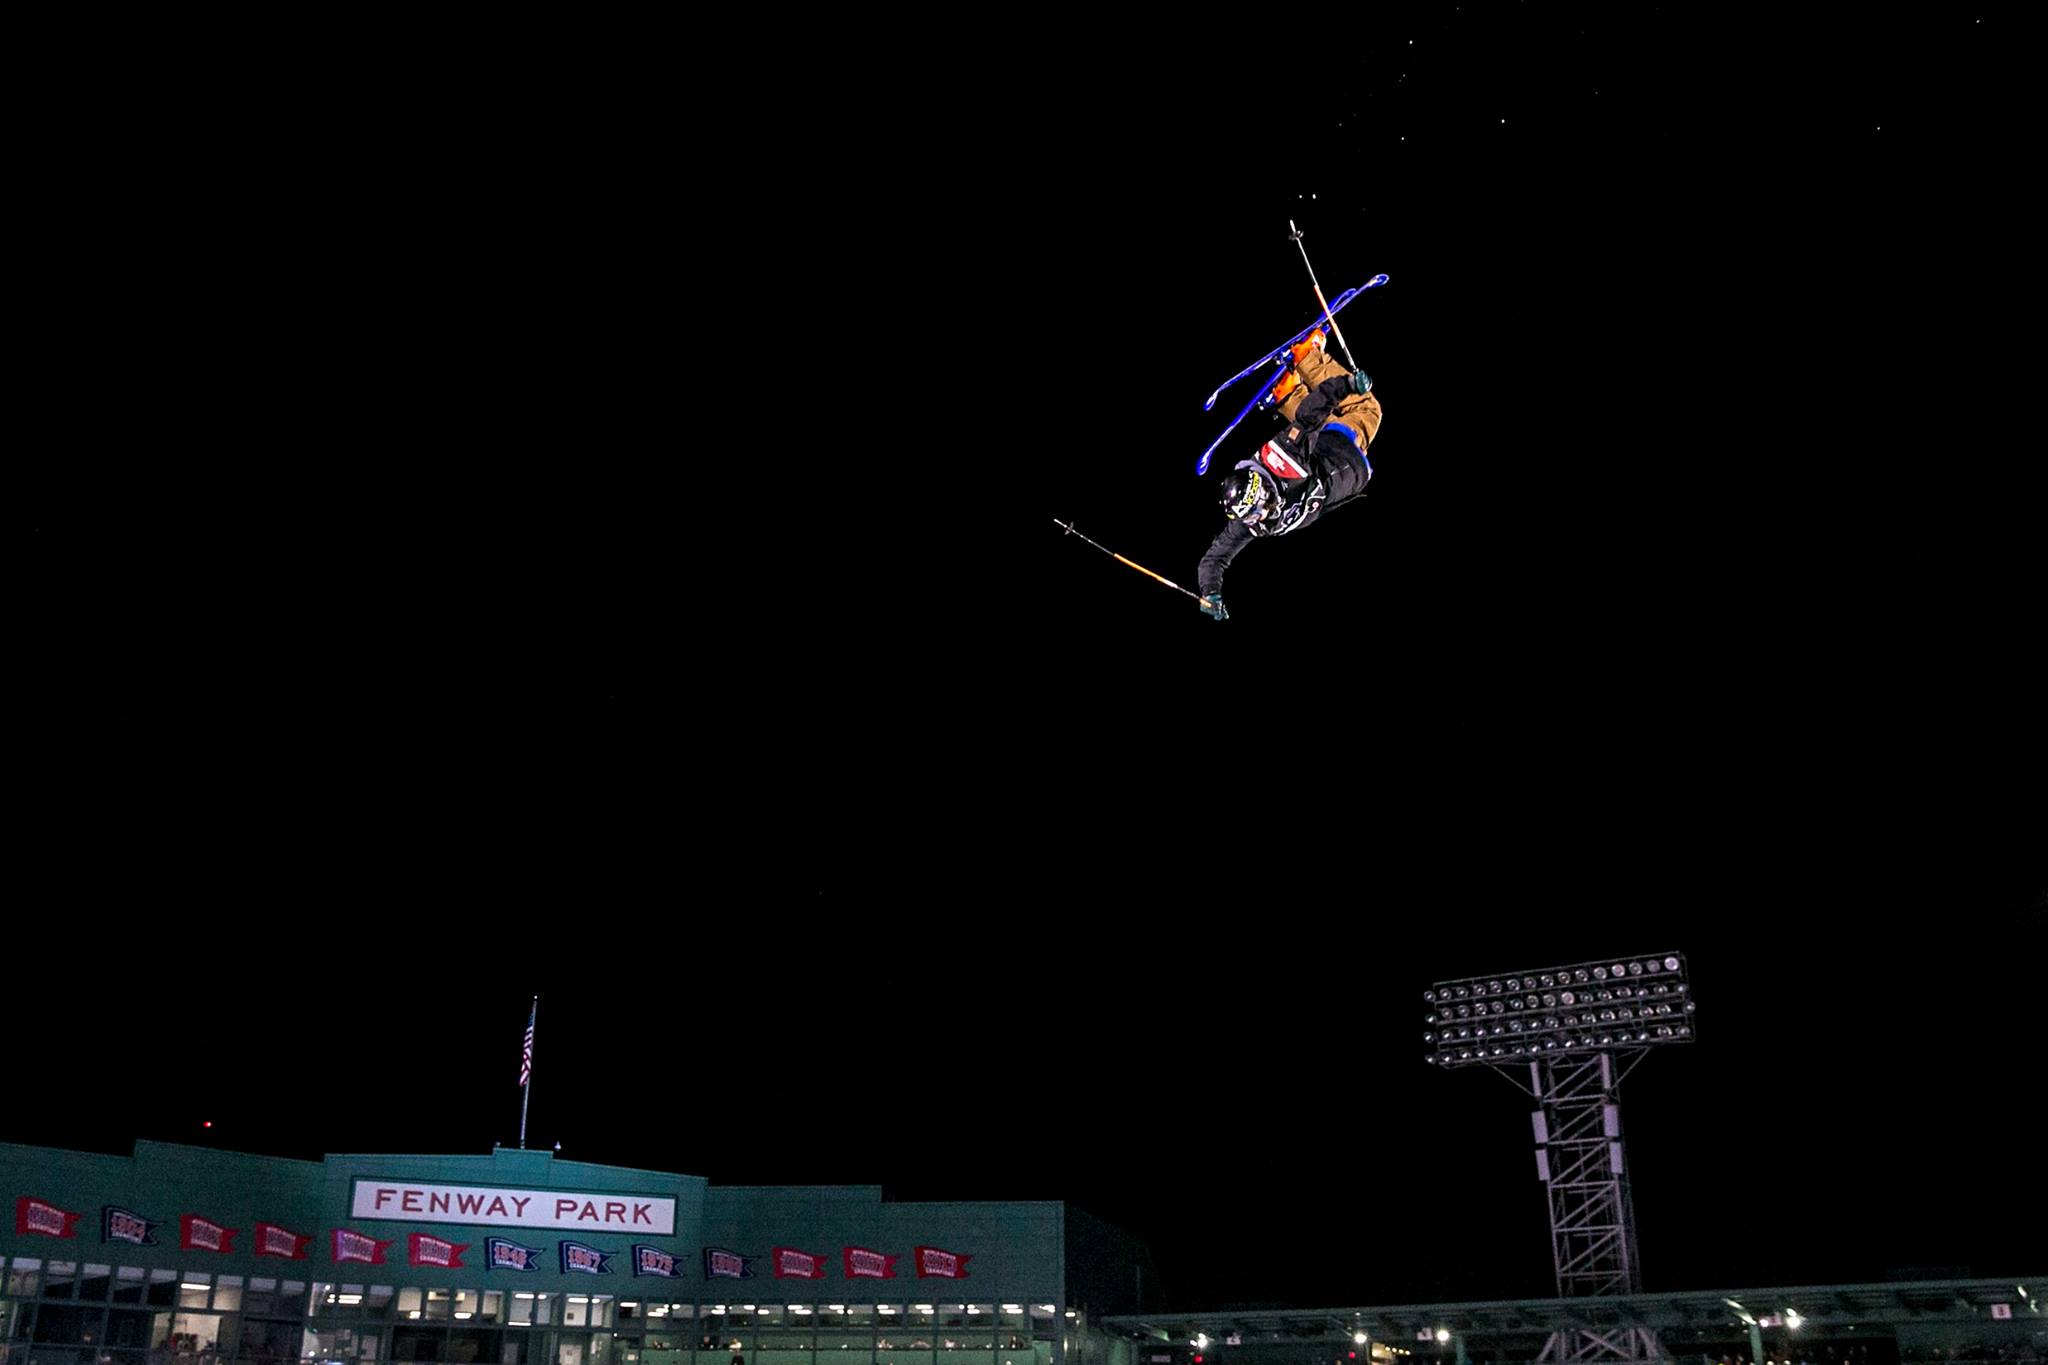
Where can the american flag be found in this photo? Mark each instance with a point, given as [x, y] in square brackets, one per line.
[526, 1052]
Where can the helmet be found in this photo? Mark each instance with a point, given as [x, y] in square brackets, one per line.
[1247, 494]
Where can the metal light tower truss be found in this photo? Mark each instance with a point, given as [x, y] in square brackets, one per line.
[1575, 1032]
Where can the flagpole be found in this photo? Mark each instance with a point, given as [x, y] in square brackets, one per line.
[526, 1072]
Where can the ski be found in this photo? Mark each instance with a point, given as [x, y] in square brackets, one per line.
[1269, 357]
[1278, 355]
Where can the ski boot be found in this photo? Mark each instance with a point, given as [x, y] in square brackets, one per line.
[1297, 353]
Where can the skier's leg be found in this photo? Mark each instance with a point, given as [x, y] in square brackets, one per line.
[1361, 415]
[1313, 368]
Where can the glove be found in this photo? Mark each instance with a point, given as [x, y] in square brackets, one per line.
[1212, 606]
[1361, 382]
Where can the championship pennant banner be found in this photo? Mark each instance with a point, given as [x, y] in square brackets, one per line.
[272, 1240]
[201, 1234]
[654, 1261]
[945, 1265]
[353, 1246]
[501, 1253]
[33, 1216]
[424, 1250]
[119, 1225]
[791, 1264]
[863, 1264]
[720, 1264]
[578, 1259]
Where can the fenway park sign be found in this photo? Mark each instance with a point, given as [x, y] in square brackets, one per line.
[408, 1201]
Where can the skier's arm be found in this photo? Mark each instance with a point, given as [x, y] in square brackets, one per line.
[1232, 538]
[1316, 407]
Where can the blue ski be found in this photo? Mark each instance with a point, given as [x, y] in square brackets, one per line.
[1277, 355]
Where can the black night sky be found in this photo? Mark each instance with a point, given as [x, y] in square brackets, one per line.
[523, 514]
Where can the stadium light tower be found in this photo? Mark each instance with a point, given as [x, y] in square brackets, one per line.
[1574, 1032]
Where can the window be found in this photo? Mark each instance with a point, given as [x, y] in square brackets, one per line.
[440, 1305]
[270, 1343]
[903, 1334]
[969, 1334]
[194, 1289]
[194, 1335]
[336, 1345]
[68, 1324]
[93, 1283]
[472, 1346]
[847, 1332]
[411, 1341]
[131, 1328]
[727, 1333]
[377, 1303]
[61, 1280]
[130, 1282]
[227, 1294]
[270, 1298]
[299, 1301]
[786, 1334]
[24, 1277]
[962, 1325]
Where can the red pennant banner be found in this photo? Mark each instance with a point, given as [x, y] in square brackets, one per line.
[945, 1265]
[791, 1264]
[863, 1264]
[43, 1220]
[425, 1250]
[272, 1240]
[199, 1234]
[353, 1246]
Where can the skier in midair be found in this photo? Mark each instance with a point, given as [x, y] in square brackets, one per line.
[1317, 463]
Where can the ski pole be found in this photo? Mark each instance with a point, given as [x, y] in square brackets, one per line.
[1328, 312]
[1068, 527]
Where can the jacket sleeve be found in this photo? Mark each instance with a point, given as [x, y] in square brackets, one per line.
[1232, 538]
[1338, 464]
[1315, 409]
